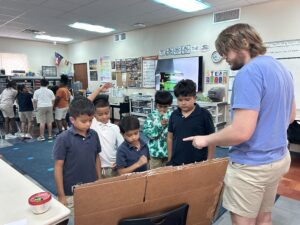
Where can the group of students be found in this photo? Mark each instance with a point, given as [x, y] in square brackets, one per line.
[94, 148]
[43, 100]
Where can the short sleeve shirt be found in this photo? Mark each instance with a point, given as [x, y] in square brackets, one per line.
[64, 94]
[199, 122]
[127, 155]
[44, 97]
[79, 155]
[266, 86]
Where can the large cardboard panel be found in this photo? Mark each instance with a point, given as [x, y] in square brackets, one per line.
[107, 202]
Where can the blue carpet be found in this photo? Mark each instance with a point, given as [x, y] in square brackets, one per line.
[34, 159]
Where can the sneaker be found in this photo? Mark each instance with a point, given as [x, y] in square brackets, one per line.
[28, 136]
[10, 136]
[41, 138]
[19, 134]
[50, 137]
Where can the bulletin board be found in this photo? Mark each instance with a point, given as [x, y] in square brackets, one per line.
[288, 53]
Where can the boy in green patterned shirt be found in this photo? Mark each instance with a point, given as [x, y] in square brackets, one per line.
[156, 129]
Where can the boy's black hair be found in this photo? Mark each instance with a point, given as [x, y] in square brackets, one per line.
[44, 82]
[21, 87]
[185, 88]
[129, 123]
[81, 106]
[64, 79]
[163, 98]
[101, 102]
[11, 84]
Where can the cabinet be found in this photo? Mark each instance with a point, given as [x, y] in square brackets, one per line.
[141, 106]
[218, 111]
[3, 83]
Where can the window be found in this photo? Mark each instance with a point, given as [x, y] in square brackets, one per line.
[12, 61]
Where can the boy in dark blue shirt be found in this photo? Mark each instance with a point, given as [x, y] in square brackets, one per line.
[76, 152]
[133, 153]
[188, 120]
[24, 100]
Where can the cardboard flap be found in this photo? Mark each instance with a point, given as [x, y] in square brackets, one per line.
[100, 197]
[185, 178]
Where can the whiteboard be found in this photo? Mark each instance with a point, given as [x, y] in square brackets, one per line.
[288, 53]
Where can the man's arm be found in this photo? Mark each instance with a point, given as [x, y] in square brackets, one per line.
[142, 161]
[58, 176]
[56, 101]
[98, 167]
[169, 144]
[293, 113]
[241, 130]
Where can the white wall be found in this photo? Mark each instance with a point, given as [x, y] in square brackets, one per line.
[276, 20]
[39, 53]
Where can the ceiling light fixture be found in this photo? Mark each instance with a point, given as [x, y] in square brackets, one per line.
[185, 5]
[141, 25]
[90, 27]
[51, 38]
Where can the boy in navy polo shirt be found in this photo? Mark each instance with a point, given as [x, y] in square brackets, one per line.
[133, 153]
[188, 120]
[76, 152]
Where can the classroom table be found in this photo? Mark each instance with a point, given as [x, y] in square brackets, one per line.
[15, 189]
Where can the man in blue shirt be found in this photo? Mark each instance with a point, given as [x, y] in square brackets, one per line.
[263, 106]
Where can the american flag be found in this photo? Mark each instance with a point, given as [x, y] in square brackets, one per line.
[58, 58]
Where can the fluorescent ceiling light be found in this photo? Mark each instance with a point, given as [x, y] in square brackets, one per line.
[185, 5]
[90, 27]
[51, 38]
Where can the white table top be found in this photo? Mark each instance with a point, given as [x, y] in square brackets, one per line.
[15, 189]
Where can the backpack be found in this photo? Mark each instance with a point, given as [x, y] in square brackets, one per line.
[293, 132]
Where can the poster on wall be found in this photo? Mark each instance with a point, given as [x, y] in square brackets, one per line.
[93, 64]
[105, 69]
[217, 77]
[93, 76]
[148, 71]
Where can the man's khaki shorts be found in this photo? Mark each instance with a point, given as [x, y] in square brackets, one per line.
[7, 111]
[44, 115]
[25, 116]
[61, 113]
[250, 190]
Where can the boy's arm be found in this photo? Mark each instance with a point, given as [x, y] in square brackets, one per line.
[170, 144]
[58, 175]
[211, 152]
[142, 161]
[103, 88]
[98, 167]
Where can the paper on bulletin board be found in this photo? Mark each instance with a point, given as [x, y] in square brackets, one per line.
[149, 67]
[119, 79]
[105, 69]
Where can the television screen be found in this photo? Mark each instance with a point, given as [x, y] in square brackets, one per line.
[170, 71]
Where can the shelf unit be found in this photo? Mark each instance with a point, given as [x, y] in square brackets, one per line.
[218, 111]
[34, 83]
[3, 82]
[141, 106]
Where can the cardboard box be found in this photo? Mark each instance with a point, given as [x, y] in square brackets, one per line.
[108, 201]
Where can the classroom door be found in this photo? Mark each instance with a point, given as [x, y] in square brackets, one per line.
[80, 74]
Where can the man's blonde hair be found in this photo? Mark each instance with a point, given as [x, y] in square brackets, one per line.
[240, 36]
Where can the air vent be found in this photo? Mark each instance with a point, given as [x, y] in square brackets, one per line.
[229, 15]
[120, 37]
[32, 31]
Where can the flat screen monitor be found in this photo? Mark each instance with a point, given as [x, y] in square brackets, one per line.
[170, 71]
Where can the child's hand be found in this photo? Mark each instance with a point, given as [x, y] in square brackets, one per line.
[105, 87]
[63, 200]
[143, 160]
[164, 122]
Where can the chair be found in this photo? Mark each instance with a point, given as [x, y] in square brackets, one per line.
[175, 216]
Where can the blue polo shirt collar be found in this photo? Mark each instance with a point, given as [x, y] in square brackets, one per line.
[74, 132]
[131, 147]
